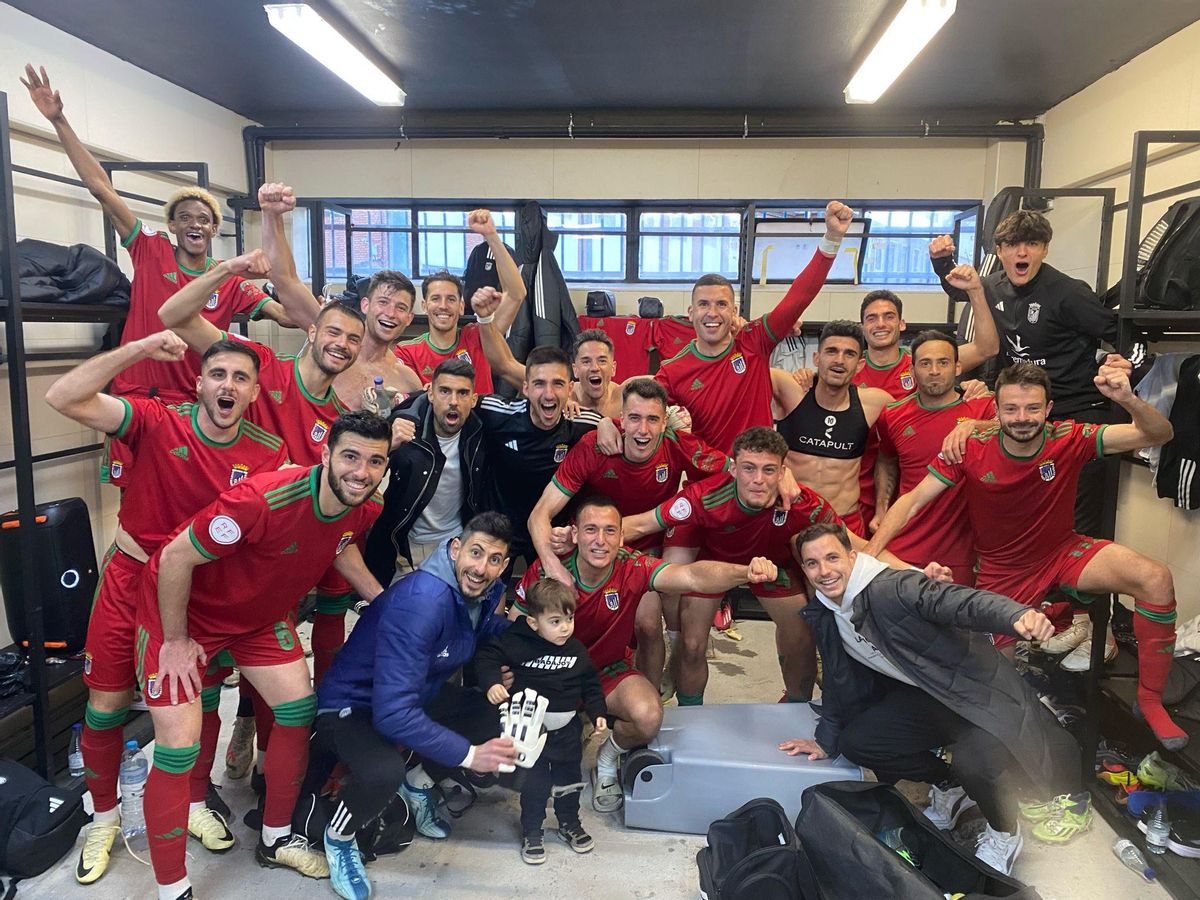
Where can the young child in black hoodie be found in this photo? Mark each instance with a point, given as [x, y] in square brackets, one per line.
[543, 655]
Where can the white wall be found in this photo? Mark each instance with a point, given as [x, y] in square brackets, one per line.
[923, 169]
[1089, 141]
[122, 113]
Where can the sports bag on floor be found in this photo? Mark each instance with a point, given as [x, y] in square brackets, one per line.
[837, 831]
[38, 822]
[751, 855]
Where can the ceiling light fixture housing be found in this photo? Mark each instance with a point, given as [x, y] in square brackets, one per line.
[307, 29]
[914, 26]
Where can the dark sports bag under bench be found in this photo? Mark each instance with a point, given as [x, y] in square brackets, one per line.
[38, 822]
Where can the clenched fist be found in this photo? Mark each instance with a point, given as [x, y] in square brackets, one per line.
[942, 245]
[250, 265]
[761, 571]
[480, 221]
[837, 219]
[276, 199]
[964, 278]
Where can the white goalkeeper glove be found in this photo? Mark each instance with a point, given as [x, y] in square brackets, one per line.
[522, 719]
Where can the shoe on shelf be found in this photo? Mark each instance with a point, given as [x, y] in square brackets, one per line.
[293, 852]
[533, 850]
[97, 845]
[1157, 774]
[1068, 639]
[607, 795]
[1080, 659]
[424, 805]
[946, 806]
[346, 871]
[240, 754]
[1067, 818]
[209, 828]
[575, 837]
[999, 849]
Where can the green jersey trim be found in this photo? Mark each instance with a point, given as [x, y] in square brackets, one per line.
[196, 543]
[126, 419]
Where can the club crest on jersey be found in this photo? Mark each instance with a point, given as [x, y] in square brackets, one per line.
[560, 452]
[612, 600]
[153, 688]
[739, 363]
[319, 430]
[463, 354]
[630, 327]
[906, 381]
[87, 663]
[1046, 470]
[681, 508]
[780, 517]
[237, 473]
[661, 471]
[213, 299]
[115, 468]
[344, 541]
[1032, 313]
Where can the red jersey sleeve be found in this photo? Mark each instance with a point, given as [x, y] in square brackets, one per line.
[244, 296]
[684, 508]
[646, 569]
[1087, 441]
[236, 518]
[268, 362]
[404, 353]
[779, 321]
[145, 245]
[699, 459]
[141, 417]
[532, 574]
[574, 471]
[950, 473]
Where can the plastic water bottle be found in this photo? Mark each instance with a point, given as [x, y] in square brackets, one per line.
[134, 771]
[383, 397]
[1158, 829]
[75, 753]
[1128, 853]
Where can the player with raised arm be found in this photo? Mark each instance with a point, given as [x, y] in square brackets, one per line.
[444, 304]
[611, 582]
[911, 433]
[1019, 486]
[190, 453]
[221, 591]
[724, 380]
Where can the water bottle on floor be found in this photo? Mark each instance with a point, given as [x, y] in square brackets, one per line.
[75, 754]
[1128, 853]
[1158, 830]
[134, 771]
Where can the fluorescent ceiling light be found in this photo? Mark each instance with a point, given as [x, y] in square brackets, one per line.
[914, 26]
[304, 26]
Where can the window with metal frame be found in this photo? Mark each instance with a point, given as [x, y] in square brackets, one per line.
[683, 244]
[591, 243]
[380, 238]
[445, 243]
[897, 250]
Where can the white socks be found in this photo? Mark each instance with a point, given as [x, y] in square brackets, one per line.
[417, 778]
[108, 817]
[195, 807]
[606, 758]
[174, 891]
[272, 836]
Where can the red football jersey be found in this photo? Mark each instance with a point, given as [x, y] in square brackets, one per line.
[897, 379]
[286, 408]
[269, 544]
[632, 338]
[181, 470]
[1022, 509]
[730, 392]
[422, 356]
[914, 434]
[637, 487]
[604, 612]
[671, 334]
[729, 532]
[156, 276]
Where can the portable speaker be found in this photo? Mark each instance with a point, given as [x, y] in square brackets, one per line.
[66, 572]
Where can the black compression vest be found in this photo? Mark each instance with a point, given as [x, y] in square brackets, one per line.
[811, 429]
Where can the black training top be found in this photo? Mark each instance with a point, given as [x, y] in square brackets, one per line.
[522, 456]
[1055, 321]
[833, 434]
[563, 674]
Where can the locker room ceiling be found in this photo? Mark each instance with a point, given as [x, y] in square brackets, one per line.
[993, 61]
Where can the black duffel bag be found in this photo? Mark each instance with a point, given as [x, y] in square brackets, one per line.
[838, 829]
[751, 855]
[38, 822]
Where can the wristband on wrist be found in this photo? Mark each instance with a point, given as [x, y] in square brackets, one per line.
[829, 247]
[484, 320]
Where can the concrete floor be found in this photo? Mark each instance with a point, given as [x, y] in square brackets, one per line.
[481, 858]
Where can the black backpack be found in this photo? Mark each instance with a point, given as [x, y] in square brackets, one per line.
[650, 307]
[1171, 277]
[391, 832]
[601, 304]
[751, 855]
[38, 822]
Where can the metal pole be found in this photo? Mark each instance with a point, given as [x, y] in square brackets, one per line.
[18, 393]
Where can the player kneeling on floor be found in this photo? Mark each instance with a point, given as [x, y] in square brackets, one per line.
[909, 668]
[386, 697]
